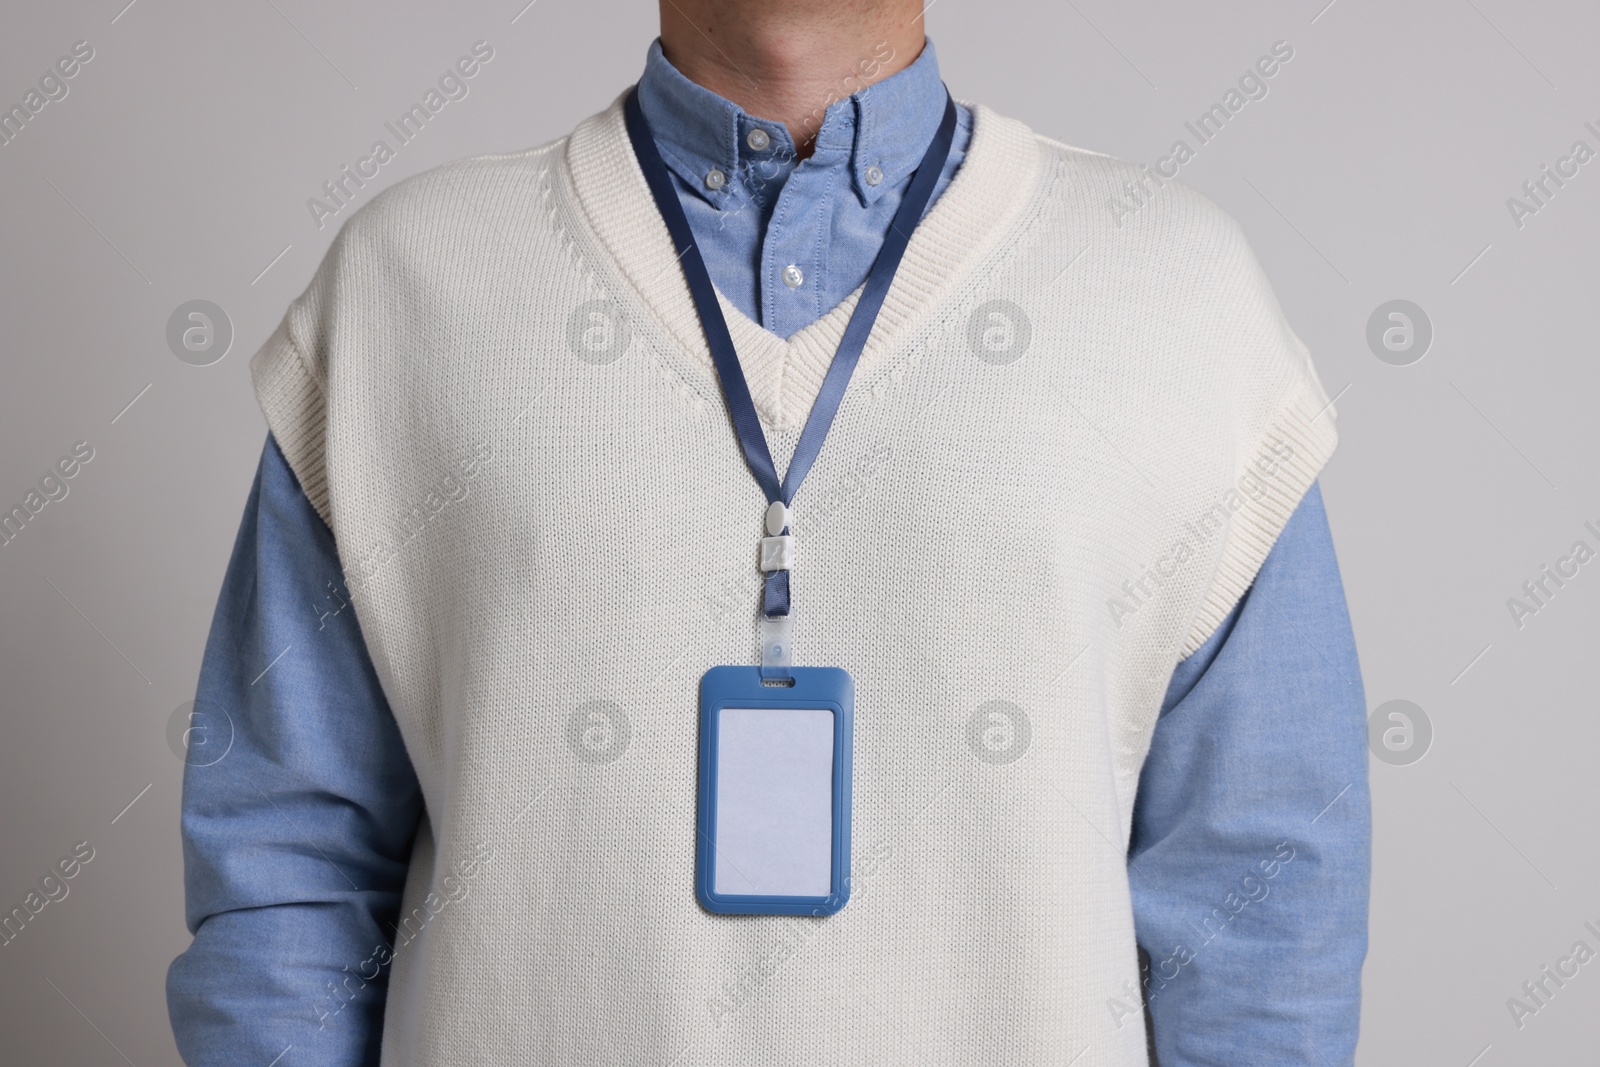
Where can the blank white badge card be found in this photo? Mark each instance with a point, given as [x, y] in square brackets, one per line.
[774, 798]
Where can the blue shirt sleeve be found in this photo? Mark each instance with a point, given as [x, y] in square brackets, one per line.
[299, 807]
[1250, 856]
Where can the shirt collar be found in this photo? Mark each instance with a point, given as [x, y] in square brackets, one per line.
[885, 128]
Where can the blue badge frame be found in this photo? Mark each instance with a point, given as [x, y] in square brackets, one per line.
[741, 687]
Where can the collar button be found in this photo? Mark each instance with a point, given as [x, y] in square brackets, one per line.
[874, 174]
[715, 179]
[758, 139]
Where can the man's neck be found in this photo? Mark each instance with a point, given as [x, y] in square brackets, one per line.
[788, 61]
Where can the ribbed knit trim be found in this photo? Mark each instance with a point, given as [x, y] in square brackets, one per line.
[983, 201]
[293, 402]
[1305, 427]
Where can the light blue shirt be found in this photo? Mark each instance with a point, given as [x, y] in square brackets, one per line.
[825, 218]
[1249, 859]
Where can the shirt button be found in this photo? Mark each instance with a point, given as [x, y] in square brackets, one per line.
[715, 179]
[874, 175]
[758, 139]
[792, 277]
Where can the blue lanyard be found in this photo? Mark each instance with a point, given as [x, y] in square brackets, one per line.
[735, 391]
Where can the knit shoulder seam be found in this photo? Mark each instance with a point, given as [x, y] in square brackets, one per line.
[1063, 146]
[555, 145]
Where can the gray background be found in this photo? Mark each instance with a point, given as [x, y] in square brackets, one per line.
[1378, 167]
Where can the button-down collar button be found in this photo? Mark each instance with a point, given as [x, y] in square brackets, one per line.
[715, 179]
[874, 174]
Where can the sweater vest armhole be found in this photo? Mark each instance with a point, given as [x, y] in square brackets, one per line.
[1279, 466]
[292, 400]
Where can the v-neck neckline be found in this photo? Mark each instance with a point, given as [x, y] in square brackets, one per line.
[988, 191]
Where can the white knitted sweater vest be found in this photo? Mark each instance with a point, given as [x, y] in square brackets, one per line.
[1067, 449]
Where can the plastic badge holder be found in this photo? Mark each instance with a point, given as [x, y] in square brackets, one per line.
[774, 792]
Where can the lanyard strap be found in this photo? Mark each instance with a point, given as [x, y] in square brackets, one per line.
[735, 390]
